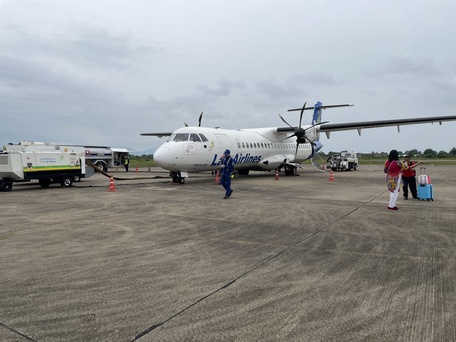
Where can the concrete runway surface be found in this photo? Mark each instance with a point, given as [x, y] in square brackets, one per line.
[298, 259]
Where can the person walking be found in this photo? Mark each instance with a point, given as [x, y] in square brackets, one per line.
[393, 169]
[126, 163]
[227, 169]
[409, 178]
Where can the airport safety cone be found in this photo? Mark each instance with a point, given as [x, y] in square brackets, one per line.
[276, 175]
[331, 176]
[112, 186]
[217, 177]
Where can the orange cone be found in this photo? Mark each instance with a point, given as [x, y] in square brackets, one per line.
[112, 186]
[331, 176]
[276, 175]
[217, 177]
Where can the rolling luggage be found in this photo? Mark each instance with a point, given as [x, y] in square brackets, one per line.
[425, 191]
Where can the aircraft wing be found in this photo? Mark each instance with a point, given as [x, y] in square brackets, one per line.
[163, 134]
[327, 128]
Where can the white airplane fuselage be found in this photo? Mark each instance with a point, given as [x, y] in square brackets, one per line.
[193, 149]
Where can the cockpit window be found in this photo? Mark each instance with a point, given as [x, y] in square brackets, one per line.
[203, 138]
[194, 137]
[180, 137]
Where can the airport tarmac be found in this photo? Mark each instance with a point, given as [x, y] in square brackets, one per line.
[298, 259]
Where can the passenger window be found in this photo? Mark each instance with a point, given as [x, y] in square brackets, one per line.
[239, 144]
[243, 145]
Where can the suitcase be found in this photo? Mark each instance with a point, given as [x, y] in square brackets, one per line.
[423, 179]
[425, 192]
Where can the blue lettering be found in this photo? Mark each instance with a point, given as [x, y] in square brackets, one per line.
[239, 159]
[213, 161]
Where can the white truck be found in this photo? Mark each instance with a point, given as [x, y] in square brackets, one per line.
[103, 157]
[343, 161]
[46, 167]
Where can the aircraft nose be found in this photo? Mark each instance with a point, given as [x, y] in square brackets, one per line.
[163, 156]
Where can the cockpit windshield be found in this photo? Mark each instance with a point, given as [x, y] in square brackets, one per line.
[194, 137]
[180, 137]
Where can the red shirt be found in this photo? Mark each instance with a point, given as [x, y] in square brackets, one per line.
[409, 172]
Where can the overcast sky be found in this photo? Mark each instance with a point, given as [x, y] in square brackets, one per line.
[102, 72]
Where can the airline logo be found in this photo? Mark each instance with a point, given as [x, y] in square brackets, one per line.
[239, 159]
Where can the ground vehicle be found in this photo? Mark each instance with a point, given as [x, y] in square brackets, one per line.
[343, 161]
[46, 167]
[102, 156]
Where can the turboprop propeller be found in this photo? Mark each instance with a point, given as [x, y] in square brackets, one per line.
[199, 120]
[299, 132]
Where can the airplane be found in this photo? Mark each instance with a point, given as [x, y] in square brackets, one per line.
[196, 149]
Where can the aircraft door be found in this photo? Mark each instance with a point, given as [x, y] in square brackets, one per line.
[238, 146]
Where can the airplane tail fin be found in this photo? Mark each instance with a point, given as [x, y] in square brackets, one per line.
[316, 119]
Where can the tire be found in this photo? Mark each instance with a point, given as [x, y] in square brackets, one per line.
[77, 178]
[102, 166]
[181, 180]
[6, 186]
[66, 181]
[45, 182]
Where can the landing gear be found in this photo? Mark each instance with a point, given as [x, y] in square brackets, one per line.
[178, 177]
[291, 170]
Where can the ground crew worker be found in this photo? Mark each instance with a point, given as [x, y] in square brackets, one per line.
[227, 169]
[126, 163]
[409, 179]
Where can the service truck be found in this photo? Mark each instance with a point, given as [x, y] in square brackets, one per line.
[103, 157]
[46, 167]
[343, 161]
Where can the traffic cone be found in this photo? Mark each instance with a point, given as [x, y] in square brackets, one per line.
[112, 186]
[137, 170]
[217, 177]
[331, 176]
[276, 175]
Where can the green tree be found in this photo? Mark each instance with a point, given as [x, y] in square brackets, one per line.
[453, 152]
[413, 153]
[429, 153]
[442, 154]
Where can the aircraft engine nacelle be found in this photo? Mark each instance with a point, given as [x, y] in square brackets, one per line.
[312, 134]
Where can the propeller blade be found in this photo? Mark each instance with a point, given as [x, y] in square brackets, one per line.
[320, 123]
[296, 152]
[185, 124]
[302, 111]
[291, 136]
[285, 121]
[200, 118]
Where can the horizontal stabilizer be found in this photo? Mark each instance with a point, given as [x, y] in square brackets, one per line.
[322, 107]
[163, 134]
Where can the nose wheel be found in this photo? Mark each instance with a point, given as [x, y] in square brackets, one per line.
[177, 177]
